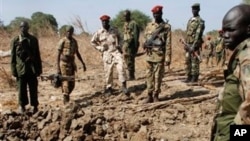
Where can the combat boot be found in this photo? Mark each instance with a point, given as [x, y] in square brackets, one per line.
[156, 97]
[22, 109]
[124, 88]
[188, 79]
[108, 91]
[149, 98]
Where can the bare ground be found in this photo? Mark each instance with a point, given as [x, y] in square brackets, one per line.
[184, 113]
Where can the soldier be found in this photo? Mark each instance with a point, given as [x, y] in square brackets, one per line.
[194, 32]
[220, 50]
[26, 66]
[131, 34]
[66, 66]
[208, 52]
[158, 47]
[107, 40]
[234, 99]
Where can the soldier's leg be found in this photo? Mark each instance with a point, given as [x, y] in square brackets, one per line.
[188, 66]
[121, 73]
[195, 69]
[66, 70]
[22, 92]
[150, 81]
[108, 70]
[33, 86]
[131, 67]
[159, 73]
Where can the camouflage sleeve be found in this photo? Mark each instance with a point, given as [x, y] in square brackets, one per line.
[244, 75]
[199, 32]
[169, 45]
[60, 45]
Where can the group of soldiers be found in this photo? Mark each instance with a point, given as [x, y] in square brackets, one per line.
[214, 48]
[233, 101]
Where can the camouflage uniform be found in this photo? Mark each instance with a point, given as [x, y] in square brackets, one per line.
[130, 45]
[195, 28]
[68, 49]
[234, 98]
[26, 65]
[157, 56]
[107, 42]
[208, 53]
[220, 52]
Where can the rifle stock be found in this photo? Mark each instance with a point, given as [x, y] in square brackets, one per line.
[188, 48]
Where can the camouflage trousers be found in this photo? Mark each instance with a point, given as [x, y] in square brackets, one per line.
[67, 69]
[29, 80]
[220, 58]
[192, 64]
[155, 73]
[110, 61]
[209, 60]
[129, 57]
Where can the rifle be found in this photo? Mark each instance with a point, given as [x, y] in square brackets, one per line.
[56, 79]
[152, 42]
[188, 48]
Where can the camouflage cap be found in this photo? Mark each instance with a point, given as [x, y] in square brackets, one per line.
[196, 6]
[69, 28]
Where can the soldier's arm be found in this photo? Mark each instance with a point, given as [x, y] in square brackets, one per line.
[13, 58]
[244, 110]
[199, 33]
[95, 42]
[59, 49]
[169, 46]
[136, 35]
[38, 57]
[80, 57]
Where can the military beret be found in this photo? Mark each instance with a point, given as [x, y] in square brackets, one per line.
[69, 27]
[220, 31]
[104, 17]
[196, 6]
[208, 37]
[157, 8]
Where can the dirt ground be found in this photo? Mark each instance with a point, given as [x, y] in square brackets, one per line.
[185, 112]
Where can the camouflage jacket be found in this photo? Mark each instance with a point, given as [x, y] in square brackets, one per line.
[131, 32]
[163, 53]
[25, 56]
[219, 45]
[194, 31]
[239, 67]
[208, 48]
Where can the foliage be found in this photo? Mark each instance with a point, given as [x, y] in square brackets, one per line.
[136, 15]
[246, 1]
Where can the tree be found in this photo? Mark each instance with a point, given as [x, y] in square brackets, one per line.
[246, 1]
[136, 15]
[14, 24]
[41, 21]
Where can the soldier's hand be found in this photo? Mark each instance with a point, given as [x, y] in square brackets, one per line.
[84, 67]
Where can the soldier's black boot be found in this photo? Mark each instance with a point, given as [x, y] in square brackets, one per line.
[188, 79]
[149, 98]
[156, 97]
[124, 88]
[195, 78]
[108, 91]
[131, 75]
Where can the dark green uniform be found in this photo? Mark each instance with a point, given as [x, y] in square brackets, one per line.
[26, 65]
[131, 34]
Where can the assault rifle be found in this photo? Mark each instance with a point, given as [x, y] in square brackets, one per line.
[152, 41]
[188, 48]
[56, 79]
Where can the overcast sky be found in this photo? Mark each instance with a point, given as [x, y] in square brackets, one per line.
[177, 11]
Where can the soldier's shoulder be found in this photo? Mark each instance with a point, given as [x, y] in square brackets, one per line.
[245, 53]
[167, 25]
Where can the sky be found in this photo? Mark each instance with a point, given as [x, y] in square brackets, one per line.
[88, 11]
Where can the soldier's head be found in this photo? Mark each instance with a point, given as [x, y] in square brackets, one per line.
[208, 38]
[105, 21]
[24, 27]
[157, 13]
[127, 14]
[69, 31]
[236, 25]
[220, 32]
[195, 9]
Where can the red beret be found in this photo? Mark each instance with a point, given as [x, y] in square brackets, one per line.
[208, 37]
[104, 17]
[157, 8]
